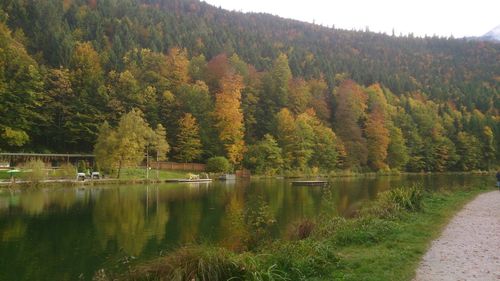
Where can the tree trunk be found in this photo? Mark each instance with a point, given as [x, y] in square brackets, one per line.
[119, 168]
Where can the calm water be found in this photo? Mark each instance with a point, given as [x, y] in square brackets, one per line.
[62, 233]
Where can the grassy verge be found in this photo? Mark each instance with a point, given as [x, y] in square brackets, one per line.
[396, 253]
[134, 174]
[385, 241]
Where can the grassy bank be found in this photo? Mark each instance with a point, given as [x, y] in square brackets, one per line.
[137, 174]
[353, 174]
[392, 248]
[128, 175]
[385, 241]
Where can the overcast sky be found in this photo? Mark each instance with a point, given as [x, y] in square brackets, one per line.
[421, 17]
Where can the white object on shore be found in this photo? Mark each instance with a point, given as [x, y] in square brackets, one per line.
[80, 176]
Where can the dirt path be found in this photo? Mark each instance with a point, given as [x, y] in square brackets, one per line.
[469, 247]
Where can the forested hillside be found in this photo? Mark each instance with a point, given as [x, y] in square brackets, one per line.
[268, 93]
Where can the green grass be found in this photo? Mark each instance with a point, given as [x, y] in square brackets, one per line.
[136, 174]
[4, 175]
[397, 254]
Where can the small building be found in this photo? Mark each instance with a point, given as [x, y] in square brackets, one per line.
[54, 159]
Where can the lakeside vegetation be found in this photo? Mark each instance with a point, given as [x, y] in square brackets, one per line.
[273, 95]
[383, 241]
[35, 172]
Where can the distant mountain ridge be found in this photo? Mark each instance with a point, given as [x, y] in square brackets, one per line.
[492, 35]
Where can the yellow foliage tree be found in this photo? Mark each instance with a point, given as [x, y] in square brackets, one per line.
[229, 117]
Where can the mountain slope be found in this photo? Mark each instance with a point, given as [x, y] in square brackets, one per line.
[492, 35]
[327, 98]
[444, 68]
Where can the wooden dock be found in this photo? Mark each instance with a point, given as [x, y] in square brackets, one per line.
[309, 183]
[189, 180]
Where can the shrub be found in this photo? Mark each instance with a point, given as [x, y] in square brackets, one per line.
[192, 263]
[409, 199]
[390, 203]
[218, 164]
[82, 166]
[301, 229]
[34, 171]
[259, 219]
[66, 171]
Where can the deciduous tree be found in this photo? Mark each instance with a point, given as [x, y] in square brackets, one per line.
[229, 117]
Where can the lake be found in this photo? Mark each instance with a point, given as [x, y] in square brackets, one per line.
[68, 233]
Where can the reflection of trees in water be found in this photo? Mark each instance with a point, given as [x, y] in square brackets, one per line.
[188, 220]
[354, 192]
[233, 228]
[13, 230]
[36, 202]
[33, 203]
[121, 216]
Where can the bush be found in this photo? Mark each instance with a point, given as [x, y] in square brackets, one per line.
[66, 171]
[34, 171]
[82, 166]
[409, 199]
[192, 263]
[300, 229]
[392, 202]
[259, 219]
[218, 165]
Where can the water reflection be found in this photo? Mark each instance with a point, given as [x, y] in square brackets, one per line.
[63, 233]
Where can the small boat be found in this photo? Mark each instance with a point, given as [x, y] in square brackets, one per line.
[309, 183]
[228, 177]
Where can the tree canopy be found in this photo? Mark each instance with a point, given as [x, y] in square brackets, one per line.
[75, 76]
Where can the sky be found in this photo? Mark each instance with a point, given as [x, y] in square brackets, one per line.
[421, 17]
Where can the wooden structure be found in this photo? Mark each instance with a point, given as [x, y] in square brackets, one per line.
[188, 180]
[309, 183]
[228, 177]
[244, 173]
[173, 166]
[55, 159]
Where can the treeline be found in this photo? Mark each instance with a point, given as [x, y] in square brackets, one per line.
[221, 84]
[445, 68]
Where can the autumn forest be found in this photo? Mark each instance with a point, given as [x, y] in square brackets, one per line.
[269, 94]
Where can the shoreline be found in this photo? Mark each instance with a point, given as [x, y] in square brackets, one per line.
[386, 241]
[114, 181]
[20, 184]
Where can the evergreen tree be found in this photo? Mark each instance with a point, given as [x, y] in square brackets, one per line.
[188, 146]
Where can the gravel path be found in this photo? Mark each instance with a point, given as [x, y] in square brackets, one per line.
[469, 247]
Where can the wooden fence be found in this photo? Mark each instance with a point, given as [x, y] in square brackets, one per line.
[173, 166]
[244, 173]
